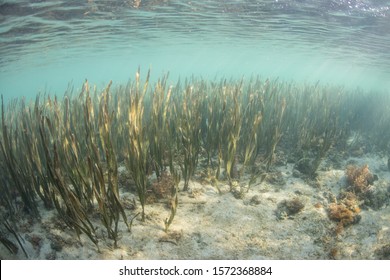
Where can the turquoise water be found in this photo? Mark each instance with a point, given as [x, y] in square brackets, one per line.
[44, 45]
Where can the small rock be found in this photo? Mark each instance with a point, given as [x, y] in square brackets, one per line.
[296, 173]
[288, 208]
[56, 246]
[255, 200]
[51, 256]
[383, 252]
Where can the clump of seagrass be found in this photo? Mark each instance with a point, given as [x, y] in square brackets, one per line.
[15, 168]
[231, 130]
[138, 145]
[212, 112]
[315, 127]
[64, 197]
[311, 161]
[173, 200]
[274, 135]
[10, 245]
[252, 120]
[159, 134]
[106, 190]
[232, 127]
[189, 121]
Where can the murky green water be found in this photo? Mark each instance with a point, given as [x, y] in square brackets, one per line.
[44, 45]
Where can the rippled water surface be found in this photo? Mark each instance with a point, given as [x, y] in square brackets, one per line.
[46, 44]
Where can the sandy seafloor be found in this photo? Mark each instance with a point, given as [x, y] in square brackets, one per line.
[213, 225]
